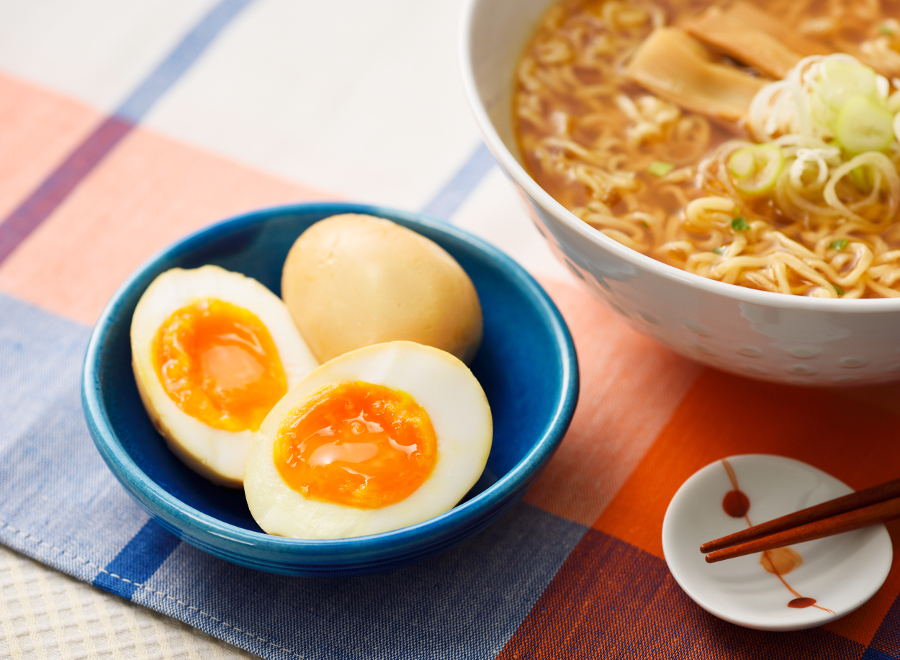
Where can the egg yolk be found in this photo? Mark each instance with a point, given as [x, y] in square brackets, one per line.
[218, 363]
[357, 444]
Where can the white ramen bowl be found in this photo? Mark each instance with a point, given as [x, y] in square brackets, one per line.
[768, 336]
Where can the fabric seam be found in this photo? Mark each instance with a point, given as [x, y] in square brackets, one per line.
[151, 590]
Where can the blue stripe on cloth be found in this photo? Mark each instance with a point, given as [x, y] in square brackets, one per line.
[451, 196]
[41, 203]
[887, 636]
[138, 560]
[60, 504]
[179, 60]
[874, 654]
[466, 603]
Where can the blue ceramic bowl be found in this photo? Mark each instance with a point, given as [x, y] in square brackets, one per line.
[526, 365]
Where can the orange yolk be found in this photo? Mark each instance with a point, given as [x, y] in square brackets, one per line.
[356, 444]
[218, 363]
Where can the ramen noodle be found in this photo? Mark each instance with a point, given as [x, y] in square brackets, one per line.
[714, 139]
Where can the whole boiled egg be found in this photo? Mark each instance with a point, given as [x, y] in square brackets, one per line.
[352, 280]
[213, 351]
[379, 438]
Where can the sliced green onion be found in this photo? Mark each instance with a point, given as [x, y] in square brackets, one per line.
[754, 170]
[719, 251]
[660, 168]
[838, 244]
[843, 81]
[742, 163]
[885, 29]
[863, 125]
[740, 224]
[838, 290]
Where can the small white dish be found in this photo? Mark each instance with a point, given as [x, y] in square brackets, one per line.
[838, 573]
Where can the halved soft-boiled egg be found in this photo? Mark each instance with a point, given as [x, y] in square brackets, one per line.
[376, 439]
[213, 351]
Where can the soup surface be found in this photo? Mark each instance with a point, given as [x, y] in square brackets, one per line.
[713, 137]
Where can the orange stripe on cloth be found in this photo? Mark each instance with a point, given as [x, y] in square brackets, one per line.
[725, 415]
[630, 387]
[38, 129]
[147, 193]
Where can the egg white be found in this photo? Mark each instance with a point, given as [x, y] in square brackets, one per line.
[216, 454]
[459, 413]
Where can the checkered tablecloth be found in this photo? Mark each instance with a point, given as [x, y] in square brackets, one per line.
[126, 125]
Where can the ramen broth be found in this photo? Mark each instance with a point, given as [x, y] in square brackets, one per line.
[631, 163]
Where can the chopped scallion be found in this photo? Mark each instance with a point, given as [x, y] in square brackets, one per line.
[843, 81]
[838, 244]
[754, 170]
[742, 163]
[740, 224]
[864, 125]
[885, 29]
[719, 250]
[660, 168]
[838, 290]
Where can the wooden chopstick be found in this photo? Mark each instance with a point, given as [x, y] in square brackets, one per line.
[851, 502]
[844, 522]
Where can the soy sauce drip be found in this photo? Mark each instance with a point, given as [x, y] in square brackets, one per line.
[736, 504]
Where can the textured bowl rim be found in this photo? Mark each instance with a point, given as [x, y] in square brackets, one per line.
[633, 257]
[222, 535]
